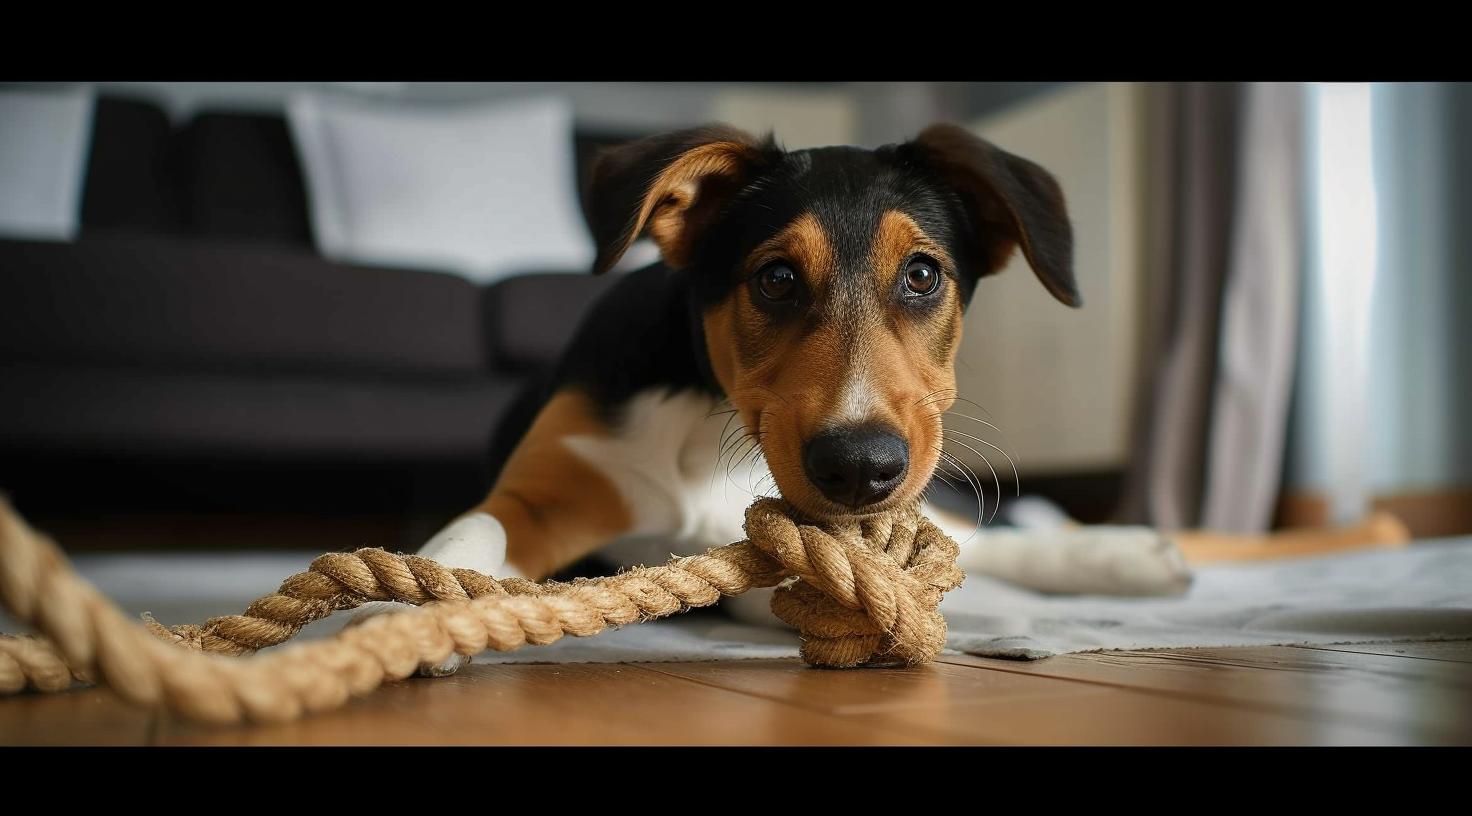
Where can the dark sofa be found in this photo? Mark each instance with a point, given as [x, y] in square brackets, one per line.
[192, 352]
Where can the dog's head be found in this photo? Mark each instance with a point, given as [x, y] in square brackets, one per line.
[831, 285]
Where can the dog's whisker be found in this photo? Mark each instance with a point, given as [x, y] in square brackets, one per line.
[755, 446]
[960, 398]
[740, 447]
[755, 464]
[974, 484]
[922, 400]
[760, 458]
[997, 505]
[938, 396]
[736, 446]
[725, 436]
[1010, 460]
[943, 476]
[971, 477]
[726, 447]
[972, 418]
[735, 440]
[731, 442]
[965, 473]
[751, 470]
[982, 421]
[726, 427]
[755, 449]
[1015, 475]
[945, 479]
[730, 461]
[721, 406]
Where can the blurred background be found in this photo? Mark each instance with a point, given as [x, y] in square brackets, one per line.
[259, 314]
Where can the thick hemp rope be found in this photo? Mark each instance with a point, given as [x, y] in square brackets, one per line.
[865, 592]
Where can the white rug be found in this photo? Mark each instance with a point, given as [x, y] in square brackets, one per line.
[1421, 593]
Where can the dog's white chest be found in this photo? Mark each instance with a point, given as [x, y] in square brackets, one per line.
[686, 471]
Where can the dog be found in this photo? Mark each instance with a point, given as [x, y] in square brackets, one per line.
[800, 331]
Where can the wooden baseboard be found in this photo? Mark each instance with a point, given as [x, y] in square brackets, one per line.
[1428, 514]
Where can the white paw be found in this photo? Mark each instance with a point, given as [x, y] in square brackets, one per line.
[445, 667]
[1100, 560]
[373, 609]
[1129, 561]
[475, 541]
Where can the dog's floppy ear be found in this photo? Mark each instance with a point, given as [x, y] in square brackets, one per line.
[672, 185]
[1012, 202]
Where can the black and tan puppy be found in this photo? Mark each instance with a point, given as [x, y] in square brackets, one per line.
[803, 325]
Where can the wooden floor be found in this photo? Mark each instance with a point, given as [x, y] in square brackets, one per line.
[1375, 694]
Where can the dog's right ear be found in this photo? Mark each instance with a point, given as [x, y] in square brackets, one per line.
[672, 185]
[1012, 201]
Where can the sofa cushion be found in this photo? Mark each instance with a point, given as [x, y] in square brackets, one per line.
[181, 304]
[242, 180]
[247, 417]
[132, 180]
[485, 189]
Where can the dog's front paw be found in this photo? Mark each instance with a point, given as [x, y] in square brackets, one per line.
[474, 541]
[1093, 560]
[445, 667]
[373, 609]
[1119, 560]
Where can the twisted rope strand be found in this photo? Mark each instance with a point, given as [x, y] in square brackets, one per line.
[866, 593]
[335, 582]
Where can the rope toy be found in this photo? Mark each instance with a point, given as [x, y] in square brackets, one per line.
[866, 593]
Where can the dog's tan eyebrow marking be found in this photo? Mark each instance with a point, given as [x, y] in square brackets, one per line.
[805, 243]
[896, 239]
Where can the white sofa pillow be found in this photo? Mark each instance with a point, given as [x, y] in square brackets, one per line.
[486, 191]
[45, 139]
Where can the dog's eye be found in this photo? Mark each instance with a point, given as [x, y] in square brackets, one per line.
[921, 277]
[777, 282]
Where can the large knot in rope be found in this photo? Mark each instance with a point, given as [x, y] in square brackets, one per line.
[868, 589]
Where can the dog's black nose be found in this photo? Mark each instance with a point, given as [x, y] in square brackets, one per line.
[856, 466]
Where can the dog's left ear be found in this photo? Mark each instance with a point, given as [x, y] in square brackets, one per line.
[672, 185]
[1012, 202]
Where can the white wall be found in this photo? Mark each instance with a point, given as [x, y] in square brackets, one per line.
[800, 118]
